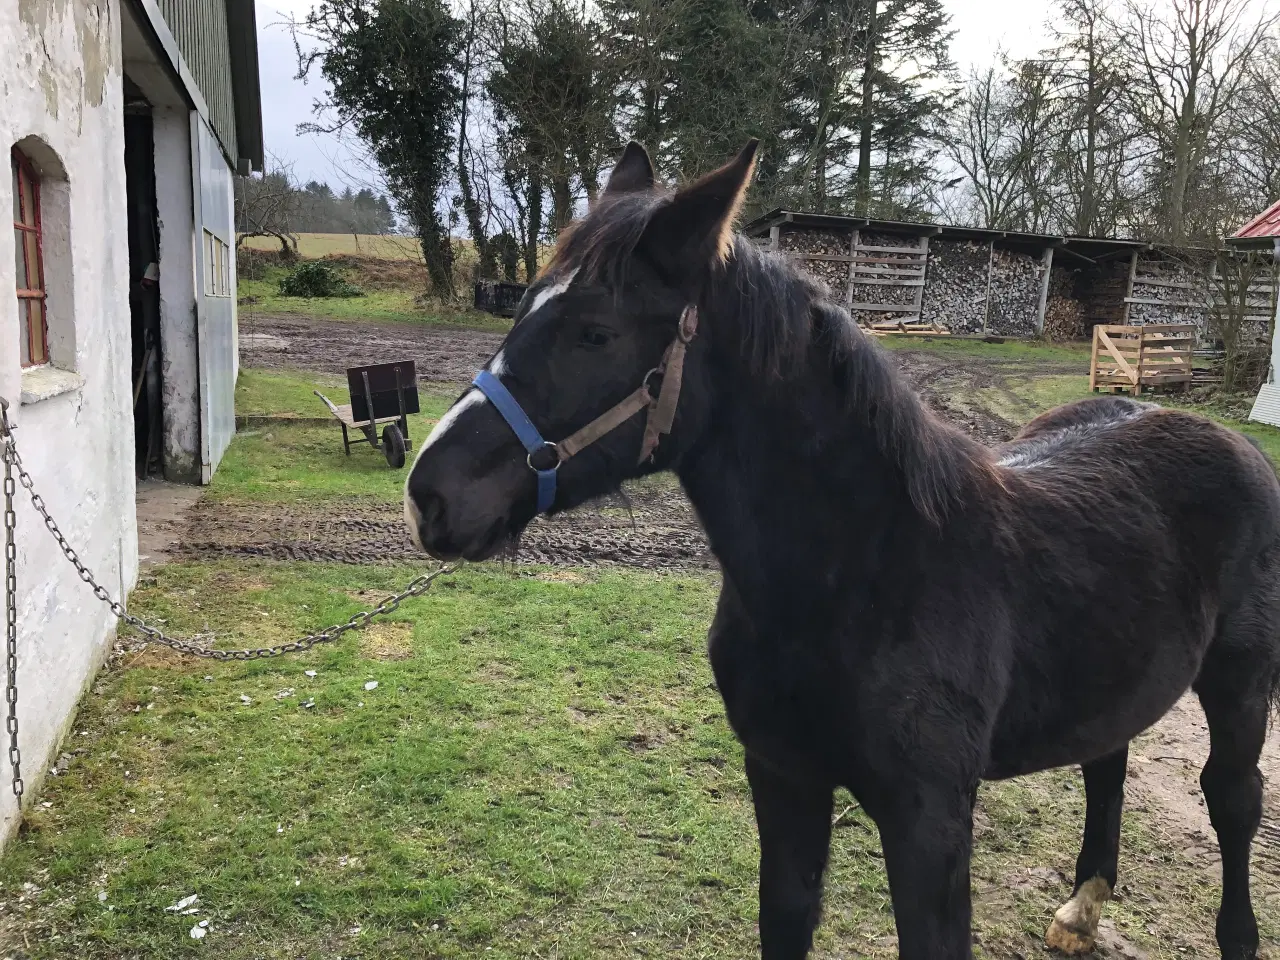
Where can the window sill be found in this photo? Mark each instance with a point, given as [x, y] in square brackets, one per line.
[43, 383]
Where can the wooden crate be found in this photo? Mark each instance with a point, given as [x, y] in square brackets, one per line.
[1152, 356]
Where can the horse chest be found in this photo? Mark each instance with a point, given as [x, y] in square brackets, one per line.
[780, 700]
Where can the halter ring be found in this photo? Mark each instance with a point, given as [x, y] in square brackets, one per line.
[546, 444]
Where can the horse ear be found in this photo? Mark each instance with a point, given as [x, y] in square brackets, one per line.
[696, 228]
[634, 171]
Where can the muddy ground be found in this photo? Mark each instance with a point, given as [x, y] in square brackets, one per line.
[657, 529]
[652, 526]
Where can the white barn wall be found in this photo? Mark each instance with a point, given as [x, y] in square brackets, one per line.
[179, 356]
[60, 81]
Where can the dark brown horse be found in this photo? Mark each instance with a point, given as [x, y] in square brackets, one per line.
[904, 611]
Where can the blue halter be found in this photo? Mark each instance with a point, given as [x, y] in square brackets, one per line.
[662, 411]
[524, 429]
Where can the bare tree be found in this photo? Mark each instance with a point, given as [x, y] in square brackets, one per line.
[266, 207]
[1090, 82]
[1242, 307]
[1189, 58]
[979, 142]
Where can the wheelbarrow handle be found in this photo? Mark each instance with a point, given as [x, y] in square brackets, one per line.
[328, 403]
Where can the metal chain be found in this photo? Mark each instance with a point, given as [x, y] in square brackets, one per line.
[13, 461]
[11, 600]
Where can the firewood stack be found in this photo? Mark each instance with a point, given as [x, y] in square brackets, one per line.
[1015, 293]
[955, 295]
[1065, 317]
[1180, 291]
[826, 243]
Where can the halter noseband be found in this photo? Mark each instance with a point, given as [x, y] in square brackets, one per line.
[662, 411]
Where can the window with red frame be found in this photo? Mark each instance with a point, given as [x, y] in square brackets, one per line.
[29, 262]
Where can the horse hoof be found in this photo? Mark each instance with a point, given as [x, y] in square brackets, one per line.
[1075, 926]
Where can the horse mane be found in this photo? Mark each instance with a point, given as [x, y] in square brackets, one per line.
[785, 321]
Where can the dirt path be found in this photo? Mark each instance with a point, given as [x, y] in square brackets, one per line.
[442, 355]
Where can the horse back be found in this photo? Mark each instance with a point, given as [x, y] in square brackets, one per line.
[1129, 532]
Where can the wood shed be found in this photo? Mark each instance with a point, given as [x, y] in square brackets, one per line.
[992, 282]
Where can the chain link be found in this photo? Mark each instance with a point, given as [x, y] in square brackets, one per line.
[13, 462]
[11, 600]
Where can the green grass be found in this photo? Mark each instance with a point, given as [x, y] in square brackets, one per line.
[395, 305]
[282, 461]
[544, 770]
[312, 245]
[546, 773]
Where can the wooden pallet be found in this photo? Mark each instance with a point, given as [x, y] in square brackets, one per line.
[905, 328]
[1131, 359]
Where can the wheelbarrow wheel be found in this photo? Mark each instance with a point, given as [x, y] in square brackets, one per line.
[393, 445]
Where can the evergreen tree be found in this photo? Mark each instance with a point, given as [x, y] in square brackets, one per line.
[391, 66]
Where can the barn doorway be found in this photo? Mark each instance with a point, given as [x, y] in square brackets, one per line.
[144, 286]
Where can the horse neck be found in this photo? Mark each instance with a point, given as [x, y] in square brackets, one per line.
[805, 479]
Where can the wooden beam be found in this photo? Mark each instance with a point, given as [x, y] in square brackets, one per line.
[853, 255]
[1044, 289]
[924, 276]
[1128, 290]
[883, 307]
[986, 306]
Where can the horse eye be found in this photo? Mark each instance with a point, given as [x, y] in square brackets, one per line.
[595, 336]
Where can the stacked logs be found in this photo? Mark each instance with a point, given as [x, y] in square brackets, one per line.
[955, 295]
[1015, 293]
[1187, 302]
[1065, 317]
[800, 244]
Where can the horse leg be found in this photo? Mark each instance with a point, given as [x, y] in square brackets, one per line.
[1075, 925]
[1232, 786]
[928, 840]
[794, 821]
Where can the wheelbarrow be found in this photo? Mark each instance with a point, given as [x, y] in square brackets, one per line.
[382, 395]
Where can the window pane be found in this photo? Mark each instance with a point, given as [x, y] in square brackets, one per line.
[33, 260]
[17, 197]
[24, 333]
[19, 261]
[35, 319]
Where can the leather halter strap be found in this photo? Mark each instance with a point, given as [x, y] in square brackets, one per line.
[658, 423]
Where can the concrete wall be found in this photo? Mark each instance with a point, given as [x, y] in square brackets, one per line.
[180, 361]
[60, 85]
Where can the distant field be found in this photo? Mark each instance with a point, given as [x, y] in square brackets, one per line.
[314, 245]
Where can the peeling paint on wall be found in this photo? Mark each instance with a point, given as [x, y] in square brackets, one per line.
[95, 40]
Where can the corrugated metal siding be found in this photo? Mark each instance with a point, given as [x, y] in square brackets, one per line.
[200, 29]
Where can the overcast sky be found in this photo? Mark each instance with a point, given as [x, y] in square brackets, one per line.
[981, 27]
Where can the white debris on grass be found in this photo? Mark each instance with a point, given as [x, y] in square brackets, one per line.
[371, 685]
[244, 699]
[309, 673]
[285, 694]
[183, 904]
[200, 930]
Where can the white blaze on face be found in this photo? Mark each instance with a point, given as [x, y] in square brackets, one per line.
[551, 292]
[412, 517]
[472, 398]
[498, 367]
